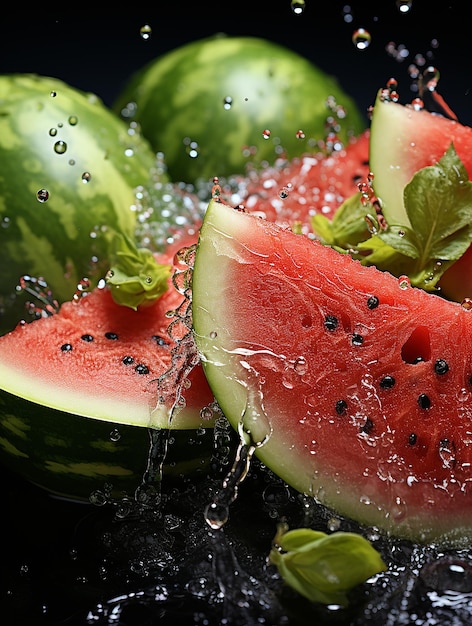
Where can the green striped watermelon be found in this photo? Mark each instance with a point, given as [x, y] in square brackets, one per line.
[79, 392]
[215, 105]
[68, 172]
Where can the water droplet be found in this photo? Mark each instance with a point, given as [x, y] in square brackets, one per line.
[60, 147]
[216, 515]
[145, 32]
[43, 195]
[361, 38]
[53, 94]
[73, 120]
[300, 134]
[227, 103]
[115, 435]
[404, 6]
[86, 177]
[403, 281]
[53, 132]
[266, 134]
[298, 6]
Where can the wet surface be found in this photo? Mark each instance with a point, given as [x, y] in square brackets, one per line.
[66, 563]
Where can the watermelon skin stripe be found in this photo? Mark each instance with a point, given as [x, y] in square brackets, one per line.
[397, 458]
[72, 456]
[64, 238]
[180, 96]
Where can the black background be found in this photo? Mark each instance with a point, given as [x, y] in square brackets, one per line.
[97, 51]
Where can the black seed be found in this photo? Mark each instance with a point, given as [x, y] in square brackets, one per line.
[66, 347]
[372, 302]
[387, 382]
[412, 439]
[142, 369]
[127, 360]
[368, 426]
[357, 340]
[441, 367]
[112, 336]
[331, 322]
[160, 340]
[87, 338]
[423, 401]
[341, 407]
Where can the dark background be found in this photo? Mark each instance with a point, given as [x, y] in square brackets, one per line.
[98, 51]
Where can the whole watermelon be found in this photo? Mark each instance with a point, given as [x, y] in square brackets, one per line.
[69, 167]
[216, 104]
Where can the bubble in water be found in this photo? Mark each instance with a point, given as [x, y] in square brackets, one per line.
[60, 147]
[145, 32]
[361, 38]
[298, 6]
[43, 195]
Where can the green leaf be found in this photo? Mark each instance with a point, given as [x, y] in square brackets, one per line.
[348, 226]
[322, 567]
[135, 277]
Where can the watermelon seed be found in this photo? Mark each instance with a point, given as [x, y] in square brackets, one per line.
[341, 407]
[441, 367]
[412, 439]
[160, 340]
[111, 336]
[66, 347]
[142, 369]
[423, 401]
[331, 322]
[372, 302]
[357, 340]
[87, 338]
[387, 382]
[127, 360]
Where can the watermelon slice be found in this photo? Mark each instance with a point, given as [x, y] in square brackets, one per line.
[403, 140]
[352, 386]
[74, 387]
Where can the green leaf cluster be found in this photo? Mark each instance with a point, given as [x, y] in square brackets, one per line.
[135, 278]
[323, 567]
[438, 203]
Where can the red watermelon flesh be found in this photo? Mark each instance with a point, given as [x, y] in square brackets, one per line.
[356, 388]
[293, 191]
[98, 359]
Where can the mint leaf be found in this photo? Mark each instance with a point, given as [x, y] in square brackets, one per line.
[348, 226]
[322, 567]
[135, 277]
[438, 204]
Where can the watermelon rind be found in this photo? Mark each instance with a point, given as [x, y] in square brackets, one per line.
[217, 104]
[87, 161]
[306, 390]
